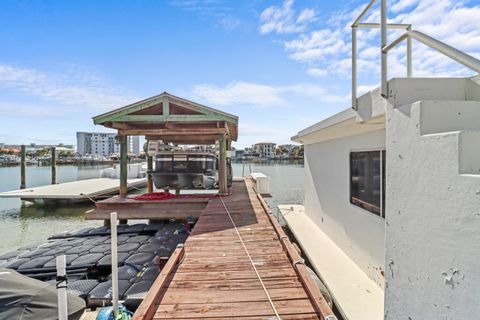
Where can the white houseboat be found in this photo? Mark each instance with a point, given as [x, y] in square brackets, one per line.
[391, 218]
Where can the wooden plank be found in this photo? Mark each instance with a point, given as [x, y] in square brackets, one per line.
[174, 295]
[146, 310]
[237, 275]
[235, 284]
[237, 309]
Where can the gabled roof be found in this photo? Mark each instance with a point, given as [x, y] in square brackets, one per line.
[167, 115]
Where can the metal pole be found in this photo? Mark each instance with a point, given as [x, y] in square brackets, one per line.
[354, 67]
[383, 43]
[23, 167]
[409, 55]
[113, 235]
[54, 165]
[62, 287]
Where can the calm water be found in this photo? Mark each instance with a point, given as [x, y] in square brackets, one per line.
[22, 223]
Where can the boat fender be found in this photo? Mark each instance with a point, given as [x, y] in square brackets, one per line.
[107, 314]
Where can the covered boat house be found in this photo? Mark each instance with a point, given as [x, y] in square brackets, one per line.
[173, 120]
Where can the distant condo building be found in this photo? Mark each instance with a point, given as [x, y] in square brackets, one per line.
[265, 149]
[103, 144]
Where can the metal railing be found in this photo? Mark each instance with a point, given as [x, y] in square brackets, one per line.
[449, 51]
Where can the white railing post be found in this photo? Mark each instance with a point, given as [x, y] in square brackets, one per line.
[62, 287]
[113, 237]
[409, 54]
[354, 68]
[383, 43]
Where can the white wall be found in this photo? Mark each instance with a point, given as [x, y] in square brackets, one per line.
[359, 233]
[433, 211]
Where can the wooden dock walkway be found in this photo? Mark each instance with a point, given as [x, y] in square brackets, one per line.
[213, 276]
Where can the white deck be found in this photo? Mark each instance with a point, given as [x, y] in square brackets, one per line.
[354, 293]
[75, 190]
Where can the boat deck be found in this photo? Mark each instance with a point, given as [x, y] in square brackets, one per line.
[212, 276]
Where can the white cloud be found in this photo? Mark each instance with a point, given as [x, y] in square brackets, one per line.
[217, 10]
[316, 45]
[284, 19]
[249, 129]
[75, 86]
[455, 22]
[30, 111]
[259, 95]
[306, 15]
[317, 72]
[239, 93]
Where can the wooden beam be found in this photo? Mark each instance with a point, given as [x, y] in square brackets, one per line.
[165, 106]
[144, 213]
[172, 132]
[222, 170]
[120, 125]
[156, 118]
[123, 165]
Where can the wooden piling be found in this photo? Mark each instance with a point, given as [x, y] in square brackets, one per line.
[149, 175]
[54, 165]
[23, 167]
[123, 165]
[222, 170]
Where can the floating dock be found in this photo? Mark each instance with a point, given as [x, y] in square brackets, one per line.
[236, 263]
[75, 191]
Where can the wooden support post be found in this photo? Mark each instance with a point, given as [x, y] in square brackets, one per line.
[123, 165]
[149, 174]
[23, 152]
[54, 165]
[222, 166]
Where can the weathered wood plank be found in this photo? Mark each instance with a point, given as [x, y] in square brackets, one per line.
[174, 295]
[236, 309]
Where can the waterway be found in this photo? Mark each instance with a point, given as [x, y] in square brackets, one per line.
[22, 223]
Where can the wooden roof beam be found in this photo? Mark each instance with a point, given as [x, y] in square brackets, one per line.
[172, 132]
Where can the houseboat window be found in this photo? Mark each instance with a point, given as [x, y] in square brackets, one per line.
[367, 181]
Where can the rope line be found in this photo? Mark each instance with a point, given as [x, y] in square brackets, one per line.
[251, 261]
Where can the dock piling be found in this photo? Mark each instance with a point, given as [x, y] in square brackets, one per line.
[23, 185]
[222, 172]
[54, 165]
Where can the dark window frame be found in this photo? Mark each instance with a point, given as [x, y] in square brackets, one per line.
[368, 200]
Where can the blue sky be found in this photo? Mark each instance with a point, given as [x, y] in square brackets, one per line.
[279, 65]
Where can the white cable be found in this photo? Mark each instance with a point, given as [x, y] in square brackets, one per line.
[251, 261]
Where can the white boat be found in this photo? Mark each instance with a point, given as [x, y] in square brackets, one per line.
[187, 170]
[391, 216]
